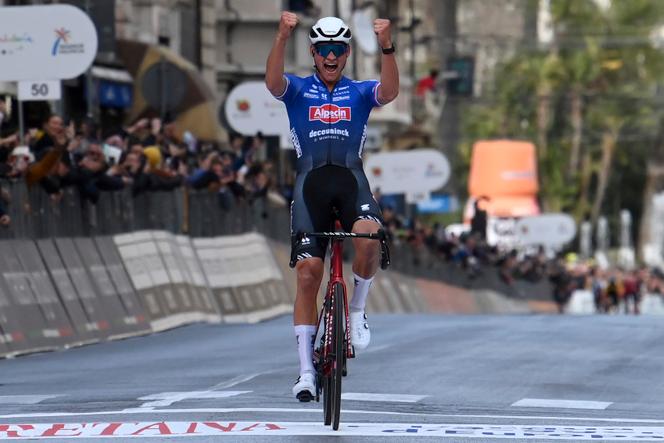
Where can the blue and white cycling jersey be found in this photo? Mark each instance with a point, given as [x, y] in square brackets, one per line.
[328, 128]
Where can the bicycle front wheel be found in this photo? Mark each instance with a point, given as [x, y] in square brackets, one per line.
[339, 335]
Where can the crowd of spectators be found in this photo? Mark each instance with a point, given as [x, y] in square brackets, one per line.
[146, 156]
[616, 290]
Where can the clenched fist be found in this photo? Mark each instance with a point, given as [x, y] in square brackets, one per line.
[287, 23]
[382, 28]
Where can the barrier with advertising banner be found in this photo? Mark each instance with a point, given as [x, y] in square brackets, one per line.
[135, 313]
[9, 323]
[122, 321]
[195, 306]
[243, 276]
[99, 321]
[65, 288]
[21, 316]
[41, 323]
[150, 277]
[59, 327]
[139, 275]
[194, 276]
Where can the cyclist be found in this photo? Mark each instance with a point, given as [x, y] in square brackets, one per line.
[328, 117]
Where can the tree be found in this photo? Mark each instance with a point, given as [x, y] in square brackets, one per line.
[588, 101]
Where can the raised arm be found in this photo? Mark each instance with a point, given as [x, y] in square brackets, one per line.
[274, 71]
[389, 73]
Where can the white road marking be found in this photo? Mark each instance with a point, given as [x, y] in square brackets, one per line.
[24, 399]
[126, 430]
[375, 349]
[396, 398]
[238, 380]
[320, 411]
[557, 403]
[168, 398]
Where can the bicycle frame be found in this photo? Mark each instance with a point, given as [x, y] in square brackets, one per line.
[336, 276]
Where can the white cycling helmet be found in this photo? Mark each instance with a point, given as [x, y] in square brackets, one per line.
[330, 29]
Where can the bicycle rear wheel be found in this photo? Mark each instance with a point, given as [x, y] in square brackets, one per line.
[325, 374]
[339, 353]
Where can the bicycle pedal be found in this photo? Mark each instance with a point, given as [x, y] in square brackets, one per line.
[304, 396]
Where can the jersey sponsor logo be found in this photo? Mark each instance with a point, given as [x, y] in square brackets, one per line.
[362, 141]
[365, 207]
[342, 88]
[330, 131]
[309, 95]
[329, 113]
[296, 142]
[339, 98]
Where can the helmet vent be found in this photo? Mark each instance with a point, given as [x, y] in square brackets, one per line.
[337, 34]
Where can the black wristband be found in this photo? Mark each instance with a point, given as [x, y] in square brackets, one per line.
[389, 50]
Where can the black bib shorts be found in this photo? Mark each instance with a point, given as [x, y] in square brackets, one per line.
[315, 195]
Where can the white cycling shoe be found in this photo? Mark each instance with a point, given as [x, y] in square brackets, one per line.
[360, 335]
[305, 387]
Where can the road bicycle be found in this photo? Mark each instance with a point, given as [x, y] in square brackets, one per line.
[334, 346]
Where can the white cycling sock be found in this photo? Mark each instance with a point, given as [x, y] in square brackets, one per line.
[305, 335]
[360, 292]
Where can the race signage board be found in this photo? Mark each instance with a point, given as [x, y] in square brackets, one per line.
[59, 40]
[250, 108]
[35, 90]
[408, 172]
[546, 229]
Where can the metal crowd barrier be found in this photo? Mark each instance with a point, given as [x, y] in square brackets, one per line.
[35, 215]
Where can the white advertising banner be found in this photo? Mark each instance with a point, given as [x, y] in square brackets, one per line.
[407, 172]
[250, 108]
[45, 41]
[546, 229]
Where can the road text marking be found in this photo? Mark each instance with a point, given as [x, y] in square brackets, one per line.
[126, 430]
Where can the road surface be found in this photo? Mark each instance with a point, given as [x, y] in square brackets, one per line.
[424, 378]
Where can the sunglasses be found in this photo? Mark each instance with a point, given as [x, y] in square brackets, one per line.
[338, 49]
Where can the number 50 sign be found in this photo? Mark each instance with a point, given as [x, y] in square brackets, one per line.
[39, 90]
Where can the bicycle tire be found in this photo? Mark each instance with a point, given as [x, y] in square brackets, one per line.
[323, 363]
[339, 353]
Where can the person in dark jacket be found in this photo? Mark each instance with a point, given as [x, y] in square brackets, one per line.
[5, 220]
[478, 223]
[563, 284]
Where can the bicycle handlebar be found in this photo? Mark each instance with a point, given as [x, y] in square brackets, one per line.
[380, 236]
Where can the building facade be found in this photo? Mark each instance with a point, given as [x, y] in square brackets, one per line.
[229, 41]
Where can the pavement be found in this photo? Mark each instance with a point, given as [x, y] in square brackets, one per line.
[424, 377]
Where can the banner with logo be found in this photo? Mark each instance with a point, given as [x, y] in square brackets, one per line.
[54, 41]
[408, 172]
[250, 108]
[547, 229]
